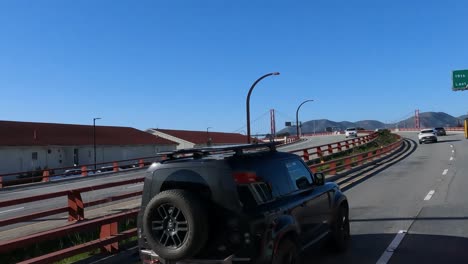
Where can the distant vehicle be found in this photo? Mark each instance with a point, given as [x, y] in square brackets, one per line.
[107, 169]
[71, 172]
[381, 130]
[440, 131]
[238, 204]
[351, 132]
[427, 135]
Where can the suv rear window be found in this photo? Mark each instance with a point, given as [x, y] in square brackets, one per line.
[271, 171]
[427, 131]
[351, 129]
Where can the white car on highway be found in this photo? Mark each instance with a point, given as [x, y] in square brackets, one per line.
[351, 132]
[427, 135]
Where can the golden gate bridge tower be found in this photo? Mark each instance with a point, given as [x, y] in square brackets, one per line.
[416, 119]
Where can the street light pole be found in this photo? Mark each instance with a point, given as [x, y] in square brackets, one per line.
[208, 137]
[94, 137]
[297, 116]
[248, 101]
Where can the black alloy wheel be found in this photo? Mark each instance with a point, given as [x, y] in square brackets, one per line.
[175, 224]
[170, 227]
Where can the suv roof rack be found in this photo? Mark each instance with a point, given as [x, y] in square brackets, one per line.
[237, 149]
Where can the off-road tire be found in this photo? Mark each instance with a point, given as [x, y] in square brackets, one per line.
[191, 219]
[340, 235]
[286, 253]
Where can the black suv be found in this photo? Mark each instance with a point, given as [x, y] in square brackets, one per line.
[240, 204]
[440, 131]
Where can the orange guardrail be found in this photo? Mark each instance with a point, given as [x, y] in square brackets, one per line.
[75, 206]
[109, 236]
[328, 149]
[108, 241]
[45, 175]
[333, 166]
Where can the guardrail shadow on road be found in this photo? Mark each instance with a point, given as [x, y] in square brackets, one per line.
[410, 219]
[448, 140]
[407, 150]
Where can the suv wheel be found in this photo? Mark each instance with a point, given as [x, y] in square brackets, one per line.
[340, 230]
[175, 224]
[287, 253]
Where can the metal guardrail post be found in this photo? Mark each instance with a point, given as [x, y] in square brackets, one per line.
[141, 164]
[313, 169]
[319, 152]
[370, 156]
[359, 159]
[84, 171]
[115, 166]
[339, 146]
[330, 149]
[306, 155]
[108, 230]
[333, 168]
[347, 144]
[1, 181]
[75, 206]
[348, 163]
[45, 176]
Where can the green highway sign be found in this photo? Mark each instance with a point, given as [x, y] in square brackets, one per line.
[460, 80]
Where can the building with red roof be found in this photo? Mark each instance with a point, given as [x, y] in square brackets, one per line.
[26, 146]
[195, 139]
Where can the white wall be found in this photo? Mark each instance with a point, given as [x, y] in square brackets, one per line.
[19, 159]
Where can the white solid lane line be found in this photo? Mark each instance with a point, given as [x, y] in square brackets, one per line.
[12, 210]
[445, 172]
[451, 158]
[429, 195]
[392, 247]
[134, 186]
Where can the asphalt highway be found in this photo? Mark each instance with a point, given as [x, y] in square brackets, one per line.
[413, 212]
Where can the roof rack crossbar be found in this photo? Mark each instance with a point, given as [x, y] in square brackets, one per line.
[237, 149]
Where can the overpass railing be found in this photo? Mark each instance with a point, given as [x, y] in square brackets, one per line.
[47, 174]
[328, 149]
[77, 223]
[346, 163]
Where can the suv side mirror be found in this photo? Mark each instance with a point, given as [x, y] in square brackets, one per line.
[320, 178]
[302, 183]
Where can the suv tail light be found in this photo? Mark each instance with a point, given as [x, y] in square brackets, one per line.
[252, 189]
[245, 177]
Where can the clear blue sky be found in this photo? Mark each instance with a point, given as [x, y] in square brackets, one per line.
[189, 64]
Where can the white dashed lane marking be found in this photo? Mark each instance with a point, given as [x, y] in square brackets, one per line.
[392, 247]
[429, 195]
[445, 172]
[451, 158]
